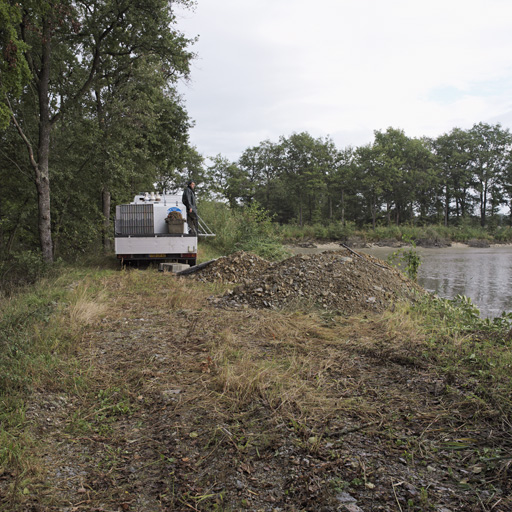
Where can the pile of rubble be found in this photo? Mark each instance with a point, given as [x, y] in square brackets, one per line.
[336, 280]
[239, 267]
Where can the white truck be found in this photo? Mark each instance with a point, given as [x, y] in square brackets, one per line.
[145, 233]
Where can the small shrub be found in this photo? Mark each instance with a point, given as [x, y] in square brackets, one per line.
[503, 234]
[407, 260]
[21, 269]
[382, 233]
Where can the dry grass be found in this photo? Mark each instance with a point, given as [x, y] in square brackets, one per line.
[85, 310]
[163, 385]
[286, 362]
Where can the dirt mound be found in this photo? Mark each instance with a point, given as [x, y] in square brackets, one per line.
[235, 268]
[341, 280]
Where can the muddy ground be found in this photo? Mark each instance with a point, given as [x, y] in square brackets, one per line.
[214, 392]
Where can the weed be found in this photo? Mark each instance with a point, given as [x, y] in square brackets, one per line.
[408, 259]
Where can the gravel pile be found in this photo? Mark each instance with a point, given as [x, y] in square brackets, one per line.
[239, 267]
[335, 280]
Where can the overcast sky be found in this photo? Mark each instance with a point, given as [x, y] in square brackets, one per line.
[344, 68]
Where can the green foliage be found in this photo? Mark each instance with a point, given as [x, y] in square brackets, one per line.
[248, 229]
[257, 233]
[20, 269]
[330, 231]
[14, 71]
[462, 316]
[503, 234]
[473, 353]
[407, 260]
[382, 233]
[296, 232]
[405, 233]
[119, 124]
[468, 230]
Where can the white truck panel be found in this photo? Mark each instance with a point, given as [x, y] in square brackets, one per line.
[156, 245]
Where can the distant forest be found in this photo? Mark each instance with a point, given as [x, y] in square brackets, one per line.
[90, 116]
[465, 174]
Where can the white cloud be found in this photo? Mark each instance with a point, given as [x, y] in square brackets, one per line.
[345, 68]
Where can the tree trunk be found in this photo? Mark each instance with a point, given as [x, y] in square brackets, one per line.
[43, 193]
[43, 154]
[343, 208]
[41, 165]
[105, 201]
[446, 208]
[483, 205]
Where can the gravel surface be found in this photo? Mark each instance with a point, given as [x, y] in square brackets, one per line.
[336, 280]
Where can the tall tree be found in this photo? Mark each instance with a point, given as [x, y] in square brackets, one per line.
[69, 43]
[305, 162]
[370, 173]
[342, 182]
[227, 180]
[453, 155]
[261, 166]
[393, 148]
[423, 180]
[491, 147]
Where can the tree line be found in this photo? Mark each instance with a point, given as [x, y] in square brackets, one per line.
[458, 176]
[90, 115]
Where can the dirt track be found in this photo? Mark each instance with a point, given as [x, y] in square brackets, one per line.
[196, 407]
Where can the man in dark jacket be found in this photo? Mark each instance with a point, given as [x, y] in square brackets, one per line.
[189, 200]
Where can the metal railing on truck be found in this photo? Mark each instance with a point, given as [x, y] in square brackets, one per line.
[204, 230]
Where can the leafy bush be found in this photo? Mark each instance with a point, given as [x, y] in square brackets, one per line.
[407, 260]
[258, 234]
[248, 229]
[296, 232]
[332, 231]
[380, 233]
[503, 234]
[21, 269]
[337, 231]
[222, 221]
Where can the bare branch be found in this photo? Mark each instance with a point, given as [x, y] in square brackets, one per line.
[24, 137]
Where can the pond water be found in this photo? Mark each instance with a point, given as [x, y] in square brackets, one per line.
[482, 274]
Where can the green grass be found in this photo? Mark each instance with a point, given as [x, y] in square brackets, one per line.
[460, 345]
[39, 328]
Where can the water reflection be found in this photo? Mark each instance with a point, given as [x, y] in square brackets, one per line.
[483, 275]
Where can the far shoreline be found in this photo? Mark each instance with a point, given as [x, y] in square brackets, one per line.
[321, 246]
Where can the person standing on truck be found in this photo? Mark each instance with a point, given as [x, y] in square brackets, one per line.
[189, 200]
